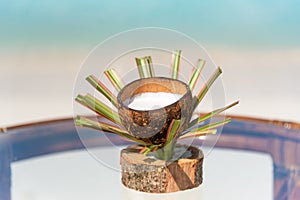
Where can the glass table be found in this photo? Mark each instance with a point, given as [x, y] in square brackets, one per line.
[254, 159]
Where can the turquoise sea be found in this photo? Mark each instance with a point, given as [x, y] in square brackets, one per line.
[257, 23]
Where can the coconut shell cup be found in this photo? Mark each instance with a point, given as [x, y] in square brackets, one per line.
[151, 126]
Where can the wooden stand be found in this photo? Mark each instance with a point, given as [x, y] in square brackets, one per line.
[147, 174]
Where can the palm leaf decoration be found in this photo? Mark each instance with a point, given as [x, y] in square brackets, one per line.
[145, 67]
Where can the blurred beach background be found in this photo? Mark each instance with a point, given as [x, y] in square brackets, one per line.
[43, 44]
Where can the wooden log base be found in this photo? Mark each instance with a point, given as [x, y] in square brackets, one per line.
[147, 174]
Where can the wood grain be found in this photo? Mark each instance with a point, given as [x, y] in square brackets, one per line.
[147, 174]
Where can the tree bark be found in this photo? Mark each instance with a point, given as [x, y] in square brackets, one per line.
[147, 174]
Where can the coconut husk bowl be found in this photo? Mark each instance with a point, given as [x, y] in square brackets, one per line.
[151, 125]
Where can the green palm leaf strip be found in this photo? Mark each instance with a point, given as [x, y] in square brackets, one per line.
[166, 152]
[172, 130]
[196, 74]
[114, 78]
[98, 85]
[206, 128]
[145, 67]
[206, 87]
[175, 63]
[211, 114]
[86, 122]
[100, 108]
[148, 149]
[150, 65]
[199, 133]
